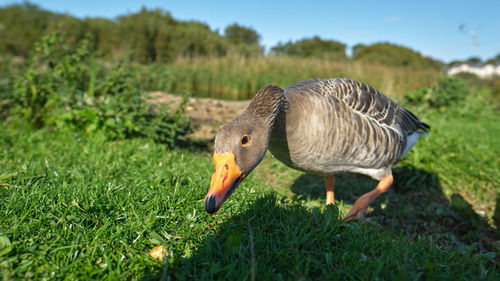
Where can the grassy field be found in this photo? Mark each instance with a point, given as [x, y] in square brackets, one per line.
[93, 177]
[78, 206]
[239, 78]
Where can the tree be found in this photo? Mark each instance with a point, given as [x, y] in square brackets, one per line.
[241, 35]
[474, 61]
[196, 39]
[313, 47]
[140, 32]
[494, 60]
[390, 54]
[154, 35]
[104, 36]
[21, 26]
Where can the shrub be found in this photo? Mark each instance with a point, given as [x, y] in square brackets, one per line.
[390, 54]
[64, 88]
[448, 91]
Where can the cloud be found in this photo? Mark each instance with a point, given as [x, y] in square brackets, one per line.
[391, 20]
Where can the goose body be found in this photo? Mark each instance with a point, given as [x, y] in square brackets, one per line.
[319, 126]
[341, 125]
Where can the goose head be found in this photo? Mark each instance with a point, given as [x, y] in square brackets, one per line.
[241, 144]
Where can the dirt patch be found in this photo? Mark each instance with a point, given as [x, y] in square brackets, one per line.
[207, 114]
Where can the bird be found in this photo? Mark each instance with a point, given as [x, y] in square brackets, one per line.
[318, 126]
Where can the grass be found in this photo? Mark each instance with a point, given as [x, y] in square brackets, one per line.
[235, 77]
[84, 207]
[79, 204]
[72, 201]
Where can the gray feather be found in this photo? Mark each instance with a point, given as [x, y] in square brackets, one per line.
[342, 125]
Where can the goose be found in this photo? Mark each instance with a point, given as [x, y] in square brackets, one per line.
[318, 126]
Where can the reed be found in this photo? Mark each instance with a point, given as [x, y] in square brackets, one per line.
[239, 78]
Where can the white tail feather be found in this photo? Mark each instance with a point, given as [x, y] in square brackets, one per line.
[411, 140]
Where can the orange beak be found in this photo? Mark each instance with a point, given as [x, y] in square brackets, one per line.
[226, 177]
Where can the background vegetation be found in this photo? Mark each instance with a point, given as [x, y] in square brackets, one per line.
[314, 47]
[178, 56]
[390, 54]
[145, 36]
[93, 176]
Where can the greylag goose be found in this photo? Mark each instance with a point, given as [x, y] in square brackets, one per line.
[319, 126]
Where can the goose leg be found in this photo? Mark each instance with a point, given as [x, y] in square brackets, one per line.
[329, 186]
[360, 206]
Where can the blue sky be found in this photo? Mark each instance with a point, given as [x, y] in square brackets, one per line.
[446, 30]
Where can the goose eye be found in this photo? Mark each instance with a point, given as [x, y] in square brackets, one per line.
[245, 140]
